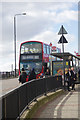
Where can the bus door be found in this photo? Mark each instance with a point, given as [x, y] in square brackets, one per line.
[46, 66]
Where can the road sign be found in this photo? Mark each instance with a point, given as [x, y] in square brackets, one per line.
[62, 31]
[62, 40]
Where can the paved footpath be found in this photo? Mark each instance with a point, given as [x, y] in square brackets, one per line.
[66, 106]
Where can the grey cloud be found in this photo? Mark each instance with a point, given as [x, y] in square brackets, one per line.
[7, 50]
[27, 26]
[30, 29]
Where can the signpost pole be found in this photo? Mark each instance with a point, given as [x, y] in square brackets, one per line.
[63, 40]
[63, 59]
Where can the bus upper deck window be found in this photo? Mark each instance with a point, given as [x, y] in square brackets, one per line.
[31, 47]
[48, 50]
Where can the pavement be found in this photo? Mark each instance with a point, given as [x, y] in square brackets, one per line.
[67, 106]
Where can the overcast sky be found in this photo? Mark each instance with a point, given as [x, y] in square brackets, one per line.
[42, 23]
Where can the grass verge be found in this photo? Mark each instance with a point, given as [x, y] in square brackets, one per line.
[42, 102]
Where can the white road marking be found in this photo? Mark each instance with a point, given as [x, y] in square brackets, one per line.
[57, 107]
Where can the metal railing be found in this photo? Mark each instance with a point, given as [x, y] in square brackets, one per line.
[7, 75]
[14, 102]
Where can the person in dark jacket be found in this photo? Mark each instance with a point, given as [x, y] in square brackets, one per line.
[47, 73]
[32, 75]
[68, 79]
[23, 76]
[73, 78]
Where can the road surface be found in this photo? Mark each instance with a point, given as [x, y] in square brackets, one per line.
[8, 84]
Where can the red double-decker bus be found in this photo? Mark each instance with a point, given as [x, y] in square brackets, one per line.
[36, 54]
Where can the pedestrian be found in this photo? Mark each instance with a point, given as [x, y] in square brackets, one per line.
[73, 78]
[68, 79]
[47, 73]
[79, 74]
[23, 76]
[32, 75]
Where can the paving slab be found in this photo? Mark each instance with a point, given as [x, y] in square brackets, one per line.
[66, 106]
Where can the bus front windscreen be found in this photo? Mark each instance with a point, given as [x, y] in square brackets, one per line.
[30, 65]
[31, 57]
[31, 47]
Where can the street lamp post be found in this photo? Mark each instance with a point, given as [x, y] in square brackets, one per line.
[15, 37]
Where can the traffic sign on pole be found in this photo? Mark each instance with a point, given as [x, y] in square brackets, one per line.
[62, 31]
[62, 40]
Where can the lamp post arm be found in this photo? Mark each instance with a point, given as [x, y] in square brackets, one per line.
[20, 14]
